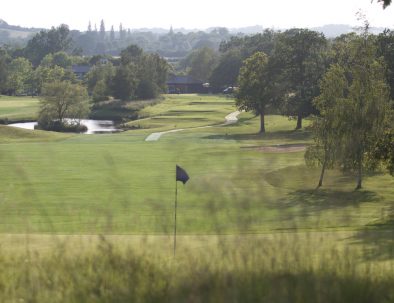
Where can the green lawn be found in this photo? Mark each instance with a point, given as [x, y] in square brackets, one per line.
[251, 226]
[18, 108]
[121, 184]
[184, 111]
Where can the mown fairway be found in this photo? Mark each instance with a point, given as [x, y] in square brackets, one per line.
[122, 184]
[18, 108]
[251, 226]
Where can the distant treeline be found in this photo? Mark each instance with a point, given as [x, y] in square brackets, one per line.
[111, 40]
[50, 57]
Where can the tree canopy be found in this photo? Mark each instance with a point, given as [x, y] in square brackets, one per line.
[300, 52]
[257, 89]
[61, 100]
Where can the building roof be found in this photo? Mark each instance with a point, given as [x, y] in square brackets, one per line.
[81, 69]
[183, 80]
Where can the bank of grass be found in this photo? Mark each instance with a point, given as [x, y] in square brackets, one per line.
[18, 108]
[120, 111]
[10, 134]
[184, 111]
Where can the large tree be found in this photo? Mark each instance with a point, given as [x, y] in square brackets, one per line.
[45, 74]
[227, 71]
[300, 52]
[257, 87]
[327, 126]
[201, 62]
[61, 100]
[48, 42]
[234, 51]
[385, 48]
[99, 80]
[365, 114]
[19, 75]
[124, 83]
[139, 75]
[4, 61]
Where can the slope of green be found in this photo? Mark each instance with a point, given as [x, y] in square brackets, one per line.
[18, 108]
[184, 111]
[251, 225]
[121, 184]
[9, 134]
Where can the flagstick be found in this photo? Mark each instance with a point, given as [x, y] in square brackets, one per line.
[176, 198]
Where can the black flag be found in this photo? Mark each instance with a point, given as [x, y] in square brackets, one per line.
[181, 174]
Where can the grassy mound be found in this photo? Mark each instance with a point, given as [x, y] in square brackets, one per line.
[10, 134]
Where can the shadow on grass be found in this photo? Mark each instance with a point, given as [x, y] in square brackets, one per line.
[378, 238]
[321, 199]
[278, 135]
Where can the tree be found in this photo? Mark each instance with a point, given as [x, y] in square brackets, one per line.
[19, 76]
[60, 100]
[367, 108]
[102, 30]
[327, 127]
[99, 80]
[201, 63]
[4, 61]
[152, 76]
[131, 54]
[355, 109]
[227, 71]
[385, 48]
[48, 42]
[384, 151]
[122, 32]
[125, 82]
[139, 75]
[300, 52]
[45, 74]
[257, 89]
[57, 59]
[112, 34]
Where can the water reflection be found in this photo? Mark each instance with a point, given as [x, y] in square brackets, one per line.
[94, 126]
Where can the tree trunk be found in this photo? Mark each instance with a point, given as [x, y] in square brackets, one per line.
[299, 122]
[322, 174]
[359, 176]
[262, 124]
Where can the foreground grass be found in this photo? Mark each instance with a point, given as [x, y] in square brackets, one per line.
[281, 268]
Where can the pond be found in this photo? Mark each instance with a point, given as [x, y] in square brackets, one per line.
[94, 126]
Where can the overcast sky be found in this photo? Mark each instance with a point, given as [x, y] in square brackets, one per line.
[193, 14]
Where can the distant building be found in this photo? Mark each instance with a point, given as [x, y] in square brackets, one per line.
[80, 70]
[185, 85]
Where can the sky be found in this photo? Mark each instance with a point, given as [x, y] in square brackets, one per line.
[188, 14]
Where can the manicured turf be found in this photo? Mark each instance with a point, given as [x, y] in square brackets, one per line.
[251, 226]
[184, 111]
[18, 108]
[121, 184]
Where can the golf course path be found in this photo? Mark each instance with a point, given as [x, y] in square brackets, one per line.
[229, 119]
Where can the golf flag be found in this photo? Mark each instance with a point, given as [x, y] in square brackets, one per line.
[181, 174]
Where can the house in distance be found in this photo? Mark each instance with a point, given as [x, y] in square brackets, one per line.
[185, 85]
